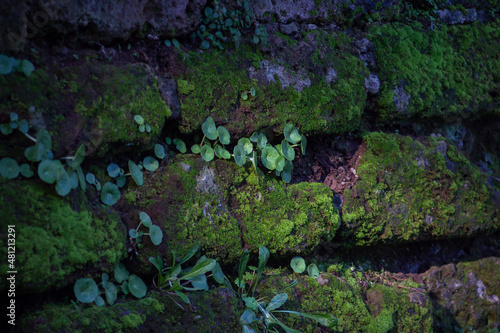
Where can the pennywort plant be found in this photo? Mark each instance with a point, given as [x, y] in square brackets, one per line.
[298, 265]
[143, 126]
[11, 64]
[87, 290]
[173, 280]
[155, 232]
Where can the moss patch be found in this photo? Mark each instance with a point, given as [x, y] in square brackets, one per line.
[52, 235]
[416, 190]
[449, 71]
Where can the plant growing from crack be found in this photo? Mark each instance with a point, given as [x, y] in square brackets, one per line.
[155, 232]
[87, 290]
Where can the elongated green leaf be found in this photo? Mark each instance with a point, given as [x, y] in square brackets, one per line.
[64, 183]
[183, 296]
[145, 219]
[263, 258]
[243, 264]
[43, 144]
[277, 301]
[81, 178]
[288, 151]
[327, 320]
[121, 273]
[199, 282]
[78, 158]
[111, 293]
[159, 151]
[224, 135]
[157, 262]
[248, 317]
[303, 144]
[139, 119]
[199, 268]
[313, 271]
[280, 163]
[209, 129]
[190, 253]
[254, 161]
[136, 173]
[218, 274]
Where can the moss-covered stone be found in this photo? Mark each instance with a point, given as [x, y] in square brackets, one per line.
[213, 311]
[215, 80]
[447, 72]
[472, 283]
[227, 208]
[360, 303]
[56, 238]
[412, 190]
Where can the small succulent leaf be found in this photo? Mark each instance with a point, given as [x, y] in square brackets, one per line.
[288, 151]
[85, 290]
[182, 296]
[261, 141]
[48, 170]
[209, 129]
[246, 144]
[110, 194]
[291, 134]
[148, 128]
[303, 144]
[133, 233]
[313, 271]
[298, 264]
[155, 234]
[224, 136]
[195, 149]
[111, 293]
[190, 253]
[139, 119]
[90, 178]
[159, 151]
[239, 155]
[150, 163]
[136, 173]
[180, 145]
[113, 170]
[199, 268]
[145, 219]
[26, 170]
[277, 301]
[121, 273]
[207, 153]
[248, 317]
[136, 286]
[9, 168]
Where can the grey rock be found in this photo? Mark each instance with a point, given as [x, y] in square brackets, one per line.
[331, 75]
[268, 70]
[401, 99]
[365, 50]
[290, 29]
[286, 11]
[442, 147]
[456, 16]
[168, 91]
[372, 83]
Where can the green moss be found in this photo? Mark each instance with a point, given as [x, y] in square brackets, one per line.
[52, 237]
[447, 71]
[215, 80]
[408, 191]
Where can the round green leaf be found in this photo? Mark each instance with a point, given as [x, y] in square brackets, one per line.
[156, 234]
[9, 168]
[90, 178]
[24, 126]
[27, 67]
[168, 141]
[159, 151]
[26, 170]
[14, 124]
[239, 155]
[98, 185]
[269, 156]
[81, 178]
[49, 170]
[261, 141]
[111, 293]
[133, 233]
[121, 273]
[136, 286]
[224, 135]
[244, 96]
[110, 194]
[180, 145]
[145, 219]
[150, 163]
[280, 163]
[85, 290]
[121, 181]
[64, 184]
[207, 153]
[99, 301]
[209, 129]
[298, 264]
[313, 271]
[205, 44]
[6, 65]
[136, 173]
[246, 144]
[195, 149]
[113, 170]
[138, 119]
[222, 153]
[43, 145]
[287, 150]
[14, 116]
[6, 129]
[291, 134]
[252, 91]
